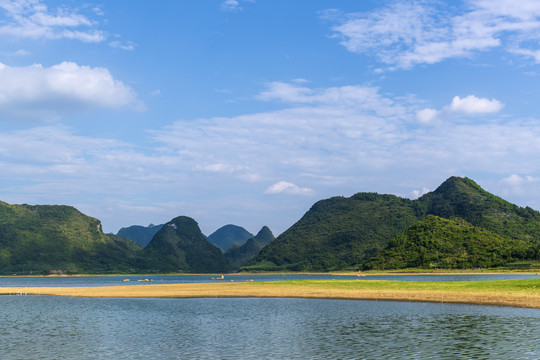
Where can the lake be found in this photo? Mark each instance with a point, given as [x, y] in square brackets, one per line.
[47, 327]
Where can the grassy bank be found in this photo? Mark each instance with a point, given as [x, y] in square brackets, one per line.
[520, 293]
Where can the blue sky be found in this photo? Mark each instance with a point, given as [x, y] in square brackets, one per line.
[249, 111]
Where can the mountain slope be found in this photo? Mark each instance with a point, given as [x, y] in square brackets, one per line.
[179, 246]
[41, 238]
[341, 233]
[228, 235]
[139, 234]
[434, 242]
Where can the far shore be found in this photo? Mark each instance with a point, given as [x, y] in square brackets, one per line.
[518, 293]
[410, 271]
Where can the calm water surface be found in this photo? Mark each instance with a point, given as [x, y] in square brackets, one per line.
[180, 279]
[47, 327]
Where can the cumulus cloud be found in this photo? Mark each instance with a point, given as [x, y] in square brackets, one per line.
[403, 34]
[285, 187]
[474, 105]
[42, 93]
[469, 105]
[32, 19]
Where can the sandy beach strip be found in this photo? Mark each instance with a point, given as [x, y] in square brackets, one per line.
[518, 294]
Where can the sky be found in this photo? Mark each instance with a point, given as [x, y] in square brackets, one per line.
[247, 112]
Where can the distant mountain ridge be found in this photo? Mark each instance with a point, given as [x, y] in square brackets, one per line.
[343, 233]
[140, 234]
[240, 255]
[228, 235]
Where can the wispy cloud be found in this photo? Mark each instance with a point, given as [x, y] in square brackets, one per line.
[407, 33]
[32, 19]
[45, 94]
[230, 6]
[128, 45]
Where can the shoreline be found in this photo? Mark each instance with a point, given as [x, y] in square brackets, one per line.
[343, 273]
[516, 293]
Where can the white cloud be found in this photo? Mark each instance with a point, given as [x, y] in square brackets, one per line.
[285, 187]
[42, 93]
[407, 33]
[474, 105]
[426, 115]
[523, 186]
[366, 97]
[469, 105]
[32, 19]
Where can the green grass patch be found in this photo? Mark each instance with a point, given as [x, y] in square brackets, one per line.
[514, 286]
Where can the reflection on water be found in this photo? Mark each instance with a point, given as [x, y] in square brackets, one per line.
[46, 327]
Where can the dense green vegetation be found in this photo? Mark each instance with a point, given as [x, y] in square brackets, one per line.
[240, 255]
[44, 238]
[463, 198]
[229, 235]
[140, 234]
[337, 233]
[434, 242]
[180, 246]
[343, 233]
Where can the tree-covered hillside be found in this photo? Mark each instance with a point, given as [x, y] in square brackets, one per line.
[180, 246]
[44, 238]
[337, 233]
[434, 242]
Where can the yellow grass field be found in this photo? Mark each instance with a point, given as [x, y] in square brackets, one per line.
[519, 293]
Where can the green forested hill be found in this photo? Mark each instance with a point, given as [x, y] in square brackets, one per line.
[180, 246]
[434, 242]
[463, 198]
[41, 238]
[341, 233]
[338, 233]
